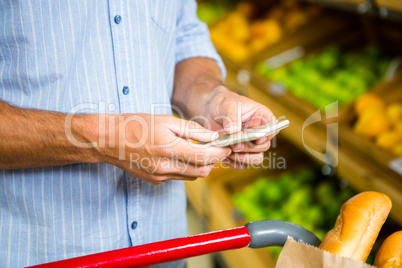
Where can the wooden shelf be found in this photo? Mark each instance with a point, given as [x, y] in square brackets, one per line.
[389, 92]
[365, 175]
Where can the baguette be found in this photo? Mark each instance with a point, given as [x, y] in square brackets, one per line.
[390, 253]
[358, 225]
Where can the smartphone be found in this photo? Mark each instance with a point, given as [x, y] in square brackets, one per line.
[249, 134]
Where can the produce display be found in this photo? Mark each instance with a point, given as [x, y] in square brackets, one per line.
[303, 197]
[242, 32]
[358, 225]
[332, 75]
[380, 122]
[210, 12]
[390, 253]
[342, 72]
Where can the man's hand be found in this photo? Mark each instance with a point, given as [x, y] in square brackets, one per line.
[153, 148]
[200, 94]
[229, 112]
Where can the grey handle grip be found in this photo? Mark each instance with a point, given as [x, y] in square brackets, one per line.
[274, 233]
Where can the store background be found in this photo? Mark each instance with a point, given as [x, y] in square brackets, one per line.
[297, 57]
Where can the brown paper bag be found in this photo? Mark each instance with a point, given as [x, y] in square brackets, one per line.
[295, 254]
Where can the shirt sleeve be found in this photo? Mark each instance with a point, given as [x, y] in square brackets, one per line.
[192, 36]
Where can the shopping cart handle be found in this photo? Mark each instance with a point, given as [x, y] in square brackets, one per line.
[275, 233]
[254, 235]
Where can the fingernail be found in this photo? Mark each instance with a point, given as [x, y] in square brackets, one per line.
[214, 136]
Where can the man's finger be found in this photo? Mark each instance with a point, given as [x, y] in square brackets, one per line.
[251, 147]
[157, 179]
[190, 130]
[260, 116]
[247, 158]
[175, 177]
[233, 164]
[230, 112]
[198, 154]
[178, 167]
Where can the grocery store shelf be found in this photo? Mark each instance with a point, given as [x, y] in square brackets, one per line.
[361, 172]
[388, 93]
[330, 142]
[364, 169]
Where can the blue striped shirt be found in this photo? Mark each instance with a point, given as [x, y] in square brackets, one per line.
[94, 56]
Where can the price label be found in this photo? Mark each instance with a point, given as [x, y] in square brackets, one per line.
[396, 165]
[285, 57]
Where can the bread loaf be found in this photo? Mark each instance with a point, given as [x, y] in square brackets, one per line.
[390, 253]
[358, 225]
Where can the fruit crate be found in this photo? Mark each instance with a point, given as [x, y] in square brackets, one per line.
[362, 162]
[237, 70]
[308, 35]
[313, 30]
[390, 92]
[349, 36]
[252, 27]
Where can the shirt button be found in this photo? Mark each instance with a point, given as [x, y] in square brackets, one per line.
[117, 19]
[134, 225]
[126, 90]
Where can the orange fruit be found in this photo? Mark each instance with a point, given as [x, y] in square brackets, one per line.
[398, 150]
[372, 122]
[394, 112]
[389, 139]
[367, 101]
[398, 126]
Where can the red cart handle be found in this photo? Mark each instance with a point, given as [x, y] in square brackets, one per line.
[254, 234]
[159, 252]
